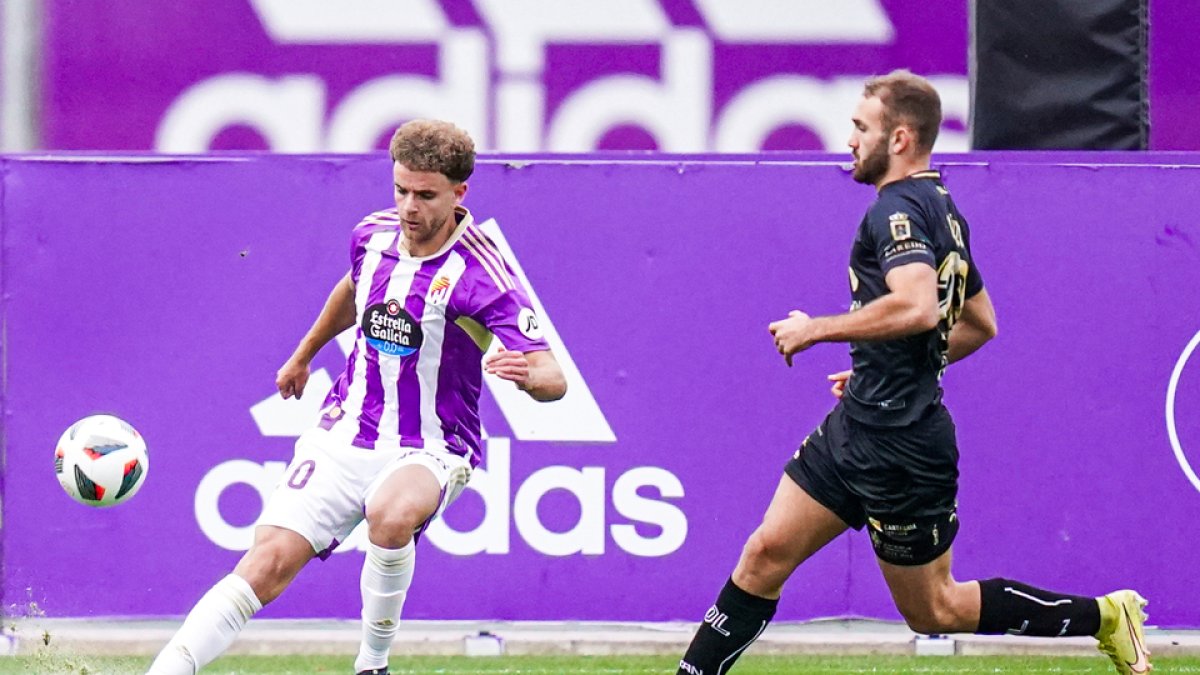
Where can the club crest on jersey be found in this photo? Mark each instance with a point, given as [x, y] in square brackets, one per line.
[390, 329]
[901, 227]
[439, 291]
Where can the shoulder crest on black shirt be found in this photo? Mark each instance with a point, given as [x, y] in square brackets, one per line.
[901, 228]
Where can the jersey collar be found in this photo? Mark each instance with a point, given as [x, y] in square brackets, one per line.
[465, 220]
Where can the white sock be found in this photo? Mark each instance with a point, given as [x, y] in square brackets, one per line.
[209, 628]
[386, 576]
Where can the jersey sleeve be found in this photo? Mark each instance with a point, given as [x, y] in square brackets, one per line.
[499, 302]
[974, 277]
[899, 233]
[362, 232]
[357, 244]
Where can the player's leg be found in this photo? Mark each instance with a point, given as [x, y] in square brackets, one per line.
[914, 553]
[931, 601]
[794, 528]
[314, 506]
[408, 494]
[910, 497]
[272, 562]
[797, 524]
[929, 598]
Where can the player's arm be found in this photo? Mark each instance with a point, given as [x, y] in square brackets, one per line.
[338, 314]
[910, 307]
[535, 373]
[975, 326]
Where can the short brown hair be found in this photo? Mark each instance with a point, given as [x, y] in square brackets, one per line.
[908, 99]
[434, 145]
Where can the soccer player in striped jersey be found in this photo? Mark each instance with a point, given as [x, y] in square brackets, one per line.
[399, 433]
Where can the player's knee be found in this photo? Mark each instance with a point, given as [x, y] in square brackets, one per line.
[765, 564]
[393, 526]
[920, 622]
[933, 617]
[267, 569]
[764, 549]
[763, 580]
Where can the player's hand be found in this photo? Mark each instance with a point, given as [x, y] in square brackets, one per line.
[793, 334]
[292, 378]
[839, 383]
[508, 365]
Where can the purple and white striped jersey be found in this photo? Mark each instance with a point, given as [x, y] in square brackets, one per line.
[414, 375]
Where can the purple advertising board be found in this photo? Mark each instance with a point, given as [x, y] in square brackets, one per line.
[521, 75]
[1174, 80]
[167, 290]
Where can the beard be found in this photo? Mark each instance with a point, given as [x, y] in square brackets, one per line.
[872, 168]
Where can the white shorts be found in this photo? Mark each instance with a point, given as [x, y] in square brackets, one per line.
[324, 491]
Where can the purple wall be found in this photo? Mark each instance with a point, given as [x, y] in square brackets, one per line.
[168, 290]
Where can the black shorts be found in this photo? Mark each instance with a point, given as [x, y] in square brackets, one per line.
[903, 481]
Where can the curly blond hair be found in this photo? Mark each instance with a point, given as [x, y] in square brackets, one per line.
[434, 145]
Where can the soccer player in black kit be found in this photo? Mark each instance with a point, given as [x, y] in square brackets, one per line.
[886, 457]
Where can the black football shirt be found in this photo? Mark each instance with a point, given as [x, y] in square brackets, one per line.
[913, 220]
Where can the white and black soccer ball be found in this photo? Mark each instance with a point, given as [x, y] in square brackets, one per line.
[101, 461]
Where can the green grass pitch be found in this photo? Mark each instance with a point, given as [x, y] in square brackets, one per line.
[51, 663]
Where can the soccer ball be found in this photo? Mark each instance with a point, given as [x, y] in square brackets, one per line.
[101, 461]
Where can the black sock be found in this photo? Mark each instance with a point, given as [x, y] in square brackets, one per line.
[729, 627]
[1007, 606]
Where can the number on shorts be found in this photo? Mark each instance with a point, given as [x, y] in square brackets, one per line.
[304, 471]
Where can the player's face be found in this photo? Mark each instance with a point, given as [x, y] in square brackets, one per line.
[425, 201]
[869, 142]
